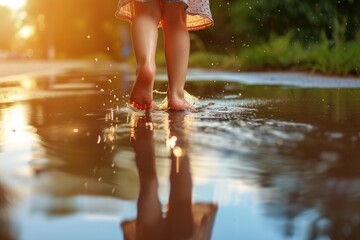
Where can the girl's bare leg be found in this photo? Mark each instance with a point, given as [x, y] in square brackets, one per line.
[144, 32]
[177, 47]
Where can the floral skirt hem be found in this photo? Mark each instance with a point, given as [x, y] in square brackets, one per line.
[198, 13]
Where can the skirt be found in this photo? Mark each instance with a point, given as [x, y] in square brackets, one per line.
[198, 12]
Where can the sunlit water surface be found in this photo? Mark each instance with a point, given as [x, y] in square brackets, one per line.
[263, 162]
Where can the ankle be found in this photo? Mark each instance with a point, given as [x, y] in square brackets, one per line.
[176, 95]
[146, 72]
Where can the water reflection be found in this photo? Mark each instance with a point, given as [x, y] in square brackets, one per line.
[281, 163]
[182, 219]
[6, 226]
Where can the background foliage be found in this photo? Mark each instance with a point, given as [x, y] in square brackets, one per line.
[253, 21]
[320, 35]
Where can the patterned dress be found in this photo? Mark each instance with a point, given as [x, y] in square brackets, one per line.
[198, 12]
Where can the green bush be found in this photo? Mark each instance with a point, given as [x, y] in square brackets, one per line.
[342, 59]
[280, 52]
[332, 55]
[335, 56]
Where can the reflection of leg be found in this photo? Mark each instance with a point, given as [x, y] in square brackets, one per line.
[5, 219]
[180, 216]
[177, 47]
[144, 37]
[180, 212]
[149, 207]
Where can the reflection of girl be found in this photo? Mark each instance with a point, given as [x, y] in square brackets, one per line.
[150, 223]
[176, 17]
[183, 219]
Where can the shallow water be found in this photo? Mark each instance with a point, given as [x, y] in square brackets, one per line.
[264, 162]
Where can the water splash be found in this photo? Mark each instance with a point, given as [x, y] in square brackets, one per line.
[164, 103]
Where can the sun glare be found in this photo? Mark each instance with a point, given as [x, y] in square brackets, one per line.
[26, 32]
[13, 4]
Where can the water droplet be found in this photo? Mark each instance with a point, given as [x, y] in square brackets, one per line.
[171, 142]
[329, 157]
[88, 36]
[178, 152]
[149, 125]
[76, 130]
[336, 135]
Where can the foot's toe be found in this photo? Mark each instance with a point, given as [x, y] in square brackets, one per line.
[140, 106]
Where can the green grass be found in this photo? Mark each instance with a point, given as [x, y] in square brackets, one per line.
[340, 58]
[279, 53]
[335, 57]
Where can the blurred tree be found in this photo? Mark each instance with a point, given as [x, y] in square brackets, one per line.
[7, 28]
[74, 28]
[242, 23]
[84, 27]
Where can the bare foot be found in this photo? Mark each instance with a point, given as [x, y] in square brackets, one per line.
[180, 104]
[141, 93]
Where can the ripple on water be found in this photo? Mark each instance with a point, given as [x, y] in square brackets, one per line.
[235, 138]
[230, 135]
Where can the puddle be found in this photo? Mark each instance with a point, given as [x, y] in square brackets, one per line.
[263, 162]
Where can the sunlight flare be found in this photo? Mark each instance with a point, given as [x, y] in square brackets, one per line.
[26, 32]
[13, 4]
